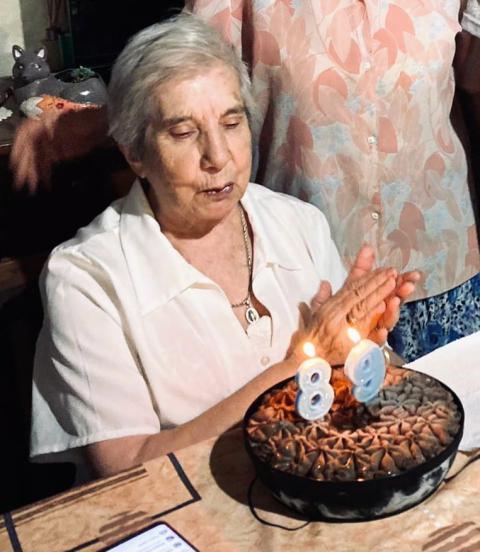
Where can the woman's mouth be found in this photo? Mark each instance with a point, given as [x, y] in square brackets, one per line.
[219, 192]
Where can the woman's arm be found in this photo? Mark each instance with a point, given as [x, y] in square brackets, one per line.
[364, 299]
[109, 457]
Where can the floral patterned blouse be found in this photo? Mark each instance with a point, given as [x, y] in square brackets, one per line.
[354, 99]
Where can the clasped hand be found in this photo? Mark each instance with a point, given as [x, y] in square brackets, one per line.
[369, 300]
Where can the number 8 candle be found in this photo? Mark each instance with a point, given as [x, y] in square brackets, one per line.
[365, 367]
[315, 395]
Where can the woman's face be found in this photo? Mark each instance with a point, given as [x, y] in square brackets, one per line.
[198, 156]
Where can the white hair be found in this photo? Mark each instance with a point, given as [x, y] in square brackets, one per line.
[180, 46]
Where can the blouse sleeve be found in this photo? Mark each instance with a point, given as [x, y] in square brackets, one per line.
[471, 18]
[87, 382]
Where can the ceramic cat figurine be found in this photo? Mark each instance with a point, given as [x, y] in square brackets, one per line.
[31, 74]
[32, 78]
[29, 66]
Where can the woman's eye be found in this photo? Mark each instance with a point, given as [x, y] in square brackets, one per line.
[231, 124]
[181, 135]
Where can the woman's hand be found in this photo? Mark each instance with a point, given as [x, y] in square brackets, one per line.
[384, 322]
[360, 302]
[363, 265]
[405, 286]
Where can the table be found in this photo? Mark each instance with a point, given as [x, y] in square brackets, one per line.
[201, 492]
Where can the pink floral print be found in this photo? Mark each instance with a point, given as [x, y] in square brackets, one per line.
[354, 100]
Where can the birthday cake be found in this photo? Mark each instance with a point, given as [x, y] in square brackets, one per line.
[413, 419]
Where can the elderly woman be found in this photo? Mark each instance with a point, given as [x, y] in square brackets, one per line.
[170, 312]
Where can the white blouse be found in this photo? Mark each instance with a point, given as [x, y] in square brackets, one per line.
[471, 18]
[135, 338]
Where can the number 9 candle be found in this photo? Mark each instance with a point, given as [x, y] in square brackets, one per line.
[365, 367]
[315, 395]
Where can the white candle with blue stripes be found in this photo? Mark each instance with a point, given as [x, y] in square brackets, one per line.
[315, 394]
[365, 367]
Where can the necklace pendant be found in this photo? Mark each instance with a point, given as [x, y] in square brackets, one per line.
[251, 314]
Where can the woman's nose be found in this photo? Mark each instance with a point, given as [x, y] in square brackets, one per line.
[216, 153]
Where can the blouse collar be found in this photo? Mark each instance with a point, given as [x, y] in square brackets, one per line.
[159, 272]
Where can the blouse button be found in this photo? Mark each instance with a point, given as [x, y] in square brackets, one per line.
[372, 140]
[265, 360]
[375, 215]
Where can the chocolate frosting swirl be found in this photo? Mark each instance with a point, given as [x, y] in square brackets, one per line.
[412, 419]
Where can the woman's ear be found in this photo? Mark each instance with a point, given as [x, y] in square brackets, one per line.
[136, 164]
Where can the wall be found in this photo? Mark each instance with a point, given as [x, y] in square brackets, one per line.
[11, 32]
[22, 22]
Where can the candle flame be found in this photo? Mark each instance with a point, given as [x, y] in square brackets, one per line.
[353, 335]
[309, 349]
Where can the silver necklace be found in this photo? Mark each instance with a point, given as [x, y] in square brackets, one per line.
[251, 314]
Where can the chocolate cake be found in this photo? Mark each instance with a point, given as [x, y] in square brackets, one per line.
[413, 419]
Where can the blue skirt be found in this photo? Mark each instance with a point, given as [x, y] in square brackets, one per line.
[427, 324]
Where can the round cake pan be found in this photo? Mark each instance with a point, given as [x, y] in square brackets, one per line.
[359, 500]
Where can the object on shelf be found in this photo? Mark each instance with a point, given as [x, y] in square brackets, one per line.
[32, 78]
[5, 113]
[36, 105]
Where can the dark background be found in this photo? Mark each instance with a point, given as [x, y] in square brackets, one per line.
[100, 28]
